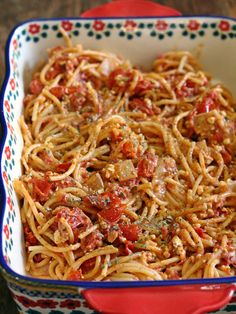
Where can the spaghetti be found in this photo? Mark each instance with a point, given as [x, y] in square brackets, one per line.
[128, 175]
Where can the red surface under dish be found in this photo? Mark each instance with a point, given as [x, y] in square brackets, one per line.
[189, 299]
[122, 8]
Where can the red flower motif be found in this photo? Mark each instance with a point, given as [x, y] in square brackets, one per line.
[6, 258]
[34, 28]
[26, 302]
[70, 304]
[130, 25]
[224, 26]
[193, 25]
[9, 202]
[7, 105]
[6, 231]
[12, 84]
[5, 177]
[67, 25]
[13, 64]
[15, 44]
[98, 26]
[161, 25]
[47, 304]
[8, 152]
[9, 127]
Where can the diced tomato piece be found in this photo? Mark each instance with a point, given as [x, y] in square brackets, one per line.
[58, 67]
[35, 87]
[190, 84]
[108, 203]
[119, 79]
[76, 102]
[63, 167]
[116, 135]
[46, 157]
[129, 247]
[41, 189]
[60, 63]
[51, 74]
[147, 165]
[58, 91]
[228, 257]
[75, 275]
[217, 137]
[88, 265]
[130, 231]
[141, 105]
[188, 89]
[75, 89]
[208, 103]
[126, 249]
[74, 216]
[226, 156]
[200, 232]
[112, 215]
[143, 86]
[164, 232]
[102, 201]
[128, 149]
[91, 241]
[30, 238]
[77, 96]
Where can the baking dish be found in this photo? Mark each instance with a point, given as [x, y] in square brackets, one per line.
[140, 40]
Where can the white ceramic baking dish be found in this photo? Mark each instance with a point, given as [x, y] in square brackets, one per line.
[213, 41]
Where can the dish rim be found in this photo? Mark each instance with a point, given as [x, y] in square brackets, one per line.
[52, 283]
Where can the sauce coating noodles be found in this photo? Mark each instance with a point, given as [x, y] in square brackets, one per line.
[128, 175]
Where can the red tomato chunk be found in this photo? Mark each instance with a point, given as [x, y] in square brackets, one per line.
[74, 216]
[30, 238]
[130, 231]
[102, 201]
[147, 165]
[208, 103]
[63, 167]
[35, 87]
[41, 189]
[128, 149]
[91, 241]
[119, 79]
[111, 215]
[75, 275]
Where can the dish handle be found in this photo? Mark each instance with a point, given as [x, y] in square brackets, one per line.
[130, 8]
[186, 299]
